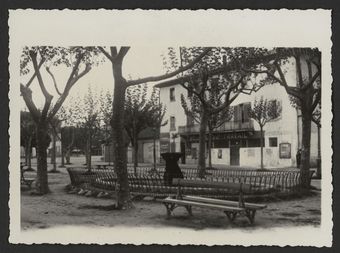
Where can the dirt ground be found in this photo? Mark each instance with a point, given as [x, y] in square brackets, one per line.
[61, 208]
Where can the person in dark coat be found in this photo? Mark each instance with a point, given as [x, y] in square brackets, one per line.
[298, 158]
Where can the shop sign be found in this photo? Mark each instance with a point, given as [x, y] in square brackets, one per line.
[285, 150]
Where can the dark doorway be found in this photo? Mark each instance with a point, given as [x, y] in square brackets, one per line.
[183, 152]
[235, 152]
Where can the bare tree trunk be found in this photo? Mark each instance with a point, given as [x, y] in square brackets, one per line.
[261, 144]
[117, 123]
[209, 146]
[154, 151]
[202, 143]
[305, 152]
[68, 156]
[135, 148]
[26, 153]
[69, 149]
[54, 153]
[62, 165]
[135, 155]
[42, 144]
[29, 161]
[88, 152]
[318, 166]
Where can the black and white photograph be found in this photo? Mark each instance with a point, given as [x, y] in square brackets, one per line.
[158, 131]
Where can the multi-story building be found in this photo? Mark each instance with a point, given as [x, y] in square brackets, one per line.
[237, 142]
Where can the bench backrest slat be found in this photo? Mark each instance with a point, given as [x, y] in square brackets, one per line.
[210, 184]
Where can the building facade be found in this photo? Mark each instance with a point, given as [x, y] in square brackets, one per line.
[237, 142]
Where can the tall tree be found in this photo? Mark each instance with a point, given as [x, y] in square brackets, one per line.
[89, 121]
[137, 109]
[54, 131]
[264, 111]
[193, 108]
[106, 115]
[51, 56]
[306, 91]
[156, 121]
[68, 115]
[27, 134]
[215, 90]
[116, 58]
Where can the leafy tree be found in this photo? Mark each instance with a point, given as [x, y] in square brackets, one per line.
[39, 56]
[137, 115]
[306, 92]
[116, 58]
[89, 121]
[156, 120]
[106, 115]
[264, 111]
[68, 115]
[54, 130]
[27, 134]
[193, 109]
[215, 90]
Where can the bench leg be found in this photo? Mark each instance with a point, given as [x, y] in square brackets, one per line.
[169, 208]
[231, 215]
[251, 215]
[189, 209]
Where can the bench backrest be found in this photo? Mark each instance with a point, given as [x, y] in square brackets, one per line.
[209, 184]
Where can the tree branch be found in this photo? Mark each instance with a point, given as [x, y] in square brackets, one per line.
[27, 96]
[54, 81]
[35, 74]
[316, 100]
[299, 71]
[106, 54]
[311, 81]
[47, 96]
[68, 86]
[171, 74]
[122, 52]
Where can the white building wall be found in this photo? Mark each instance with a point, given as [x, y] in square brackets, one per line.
[175, 109]
[220, 156]
[286, 128]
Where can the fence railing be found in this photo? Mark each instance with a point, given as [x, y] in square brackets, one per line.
[149, 182]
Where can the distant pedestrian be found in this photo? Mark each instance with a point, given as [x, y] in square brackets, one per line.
[298, 158]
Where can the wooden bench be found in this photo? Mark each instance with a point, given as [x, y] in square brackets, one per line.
[23, 180]
[230, 208]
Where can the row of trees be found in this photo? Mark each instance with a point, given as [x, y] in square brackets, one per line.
[196, 68]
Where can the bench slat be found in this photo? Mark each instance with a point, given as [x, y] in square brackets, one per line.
[210, 184]
[193, 203]
[223, 202]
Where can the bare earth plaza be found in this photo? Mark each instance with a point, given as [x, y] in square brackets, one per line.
[170, 138]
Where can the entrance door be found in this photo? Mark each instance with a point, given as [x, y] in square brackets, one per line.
[234, 155]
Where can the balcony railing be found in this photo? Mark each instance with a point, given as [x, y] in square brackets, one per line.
[226, 127]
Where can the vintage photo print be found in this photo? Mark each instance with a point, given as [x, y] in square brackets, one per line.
[207, 127]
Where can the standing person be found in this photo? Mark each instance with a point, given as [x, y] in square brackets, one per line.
[298, 158]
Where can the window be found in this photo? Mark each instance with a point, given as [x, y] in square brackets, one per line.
[172, 94]
[273, 142]
[172, 123]
[240, 112]
[276, 109]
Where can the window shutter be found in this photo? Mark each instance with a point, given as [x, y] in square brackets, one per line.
[246, 108]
